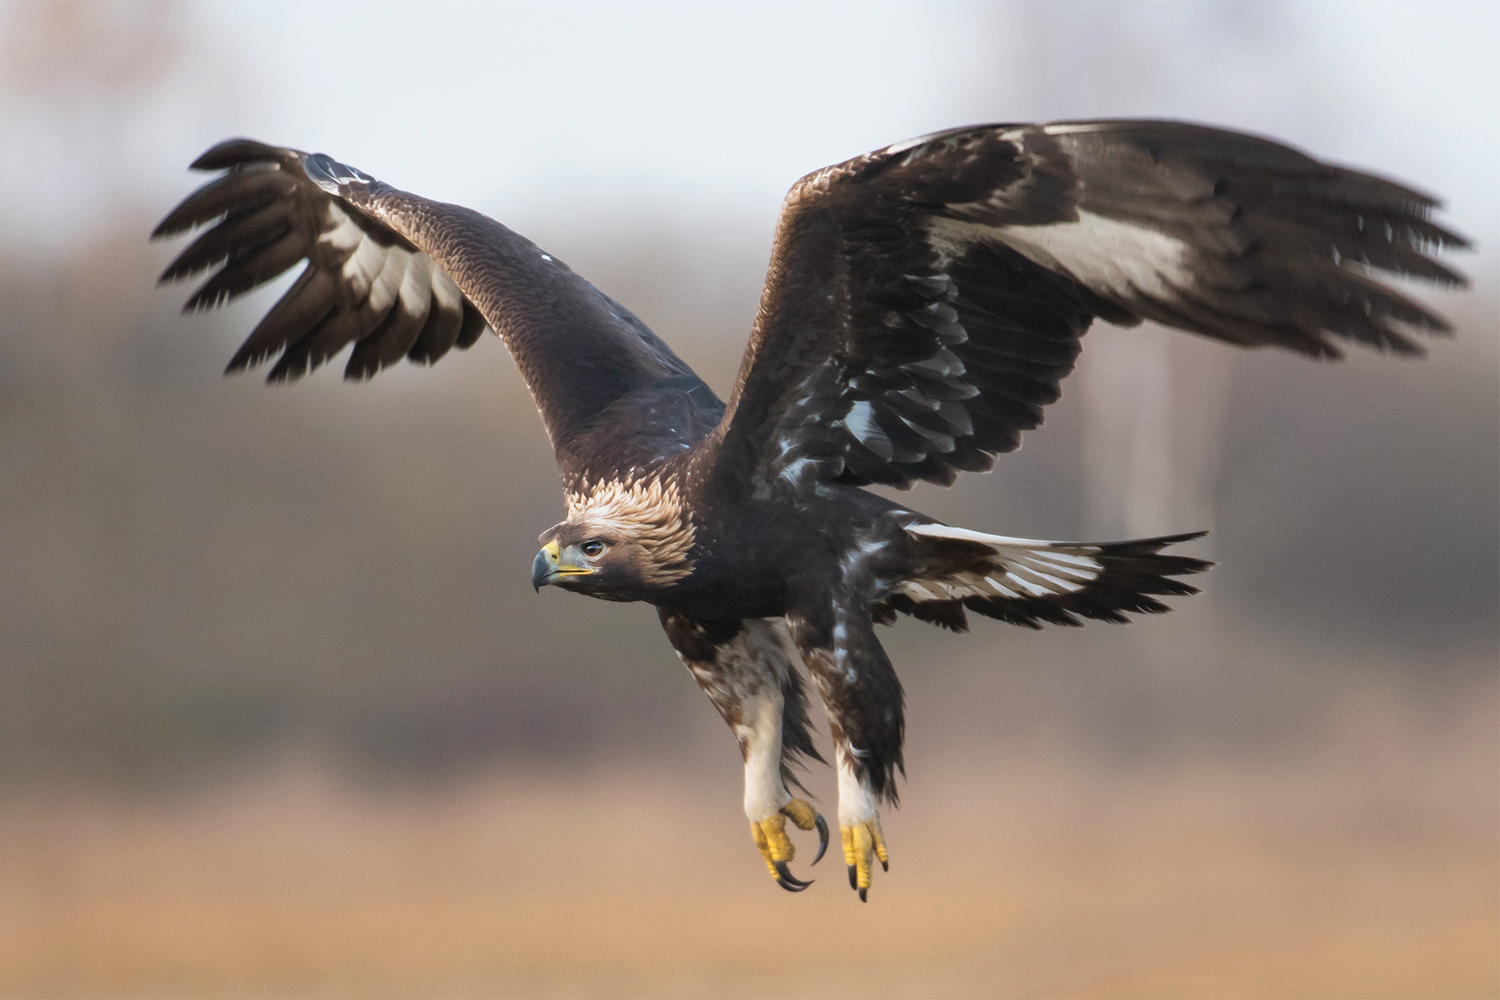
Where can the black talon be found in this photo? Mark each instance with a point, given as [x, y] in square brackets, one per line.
[885, 865]
[863, 898]
[853, 878]
[787, 880]
[822, 825]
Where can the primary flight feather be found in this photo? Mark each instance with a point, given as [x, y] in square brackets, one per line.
[923, 304]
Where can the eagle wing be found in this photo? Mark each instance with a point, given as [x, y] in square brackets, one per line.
[924, 301]
[400, 276]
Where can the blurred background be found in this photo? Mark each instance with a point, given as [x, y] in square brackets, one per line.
[279, 714]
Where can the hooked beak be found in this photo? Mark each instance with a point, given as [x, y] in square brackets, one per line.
[541, 570]
[548, 566]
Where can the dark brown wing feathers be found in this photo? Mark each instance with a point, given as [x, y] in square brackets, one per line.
[924, 301]
[398, 276]
[263, 217]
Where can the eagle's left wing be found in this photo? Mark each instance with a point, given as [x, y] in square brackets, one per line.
[398, 275]
[924, 301]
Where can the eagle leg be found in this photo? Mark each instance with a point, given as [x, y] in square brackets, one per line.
[769, 833]
[746, 670]
[864, 702]
[859, 827]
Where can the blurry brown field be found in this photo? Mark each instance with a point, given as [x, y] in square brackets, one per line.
[1366, 866]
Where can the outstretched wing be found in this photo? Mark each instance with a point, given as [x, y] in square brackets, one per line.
[924, 302]
[400, 276]
[365, 283]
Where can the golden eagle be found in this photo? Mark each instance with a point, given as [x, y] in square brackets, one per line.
[922, 305]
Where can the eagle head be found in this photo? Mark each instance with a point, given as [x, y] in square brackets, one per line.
[621, 541]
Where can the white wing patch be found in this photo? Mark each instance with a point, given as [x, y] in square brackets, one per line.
[1111, 258]
[416, 286]
[364, 265]
[387, 283]
[344, 234]
[1021, 567]
[445, 291]
[381, 276]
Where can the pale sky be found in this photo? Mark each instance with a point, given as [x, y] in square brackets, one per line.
[693, 110]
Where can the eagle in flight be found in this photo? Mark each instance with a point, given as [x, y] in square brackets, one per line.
[922, 305]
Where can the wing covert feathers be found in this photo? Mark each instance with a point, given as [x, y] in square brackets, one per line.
[924, 301]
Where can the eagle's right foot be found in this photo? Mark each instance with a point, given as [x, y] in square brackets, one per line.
[777, 848]
[859, 824]
[864, 842]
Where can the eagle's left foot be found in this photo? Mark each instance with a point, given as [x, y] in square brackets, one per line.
[777, 848]
[863, 842]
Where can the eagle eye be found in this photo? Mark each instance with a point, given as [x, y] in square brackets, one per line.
[592, 548]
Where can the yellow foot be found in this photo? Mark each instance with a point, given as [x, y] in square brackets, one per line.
[776, 847]
[861, 842]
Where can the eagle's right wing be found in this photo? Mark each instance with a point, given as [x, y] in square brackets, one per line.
[400, 276]
[924, 301]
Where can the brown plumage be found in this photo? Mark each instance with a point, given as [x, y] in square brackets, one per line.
[922, 305]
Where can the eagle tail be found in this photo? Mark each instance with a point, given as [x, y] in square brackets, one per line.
[1029, 582]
